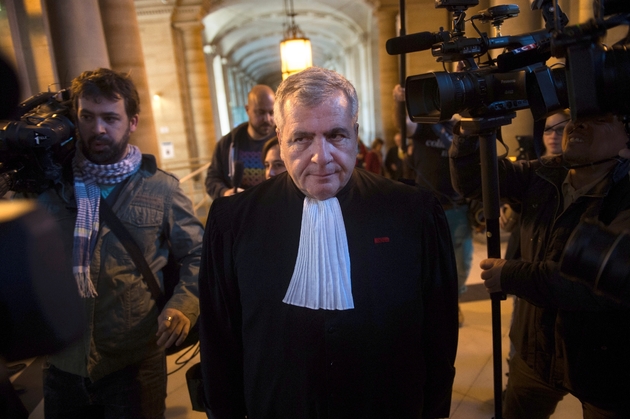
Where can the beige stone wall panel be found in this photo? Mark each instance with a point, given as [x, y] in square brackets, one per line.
[161, 67]
[124, 46]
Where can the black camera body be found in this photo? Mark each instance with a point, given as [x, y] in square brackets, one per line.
[35, 148]
[595, 79]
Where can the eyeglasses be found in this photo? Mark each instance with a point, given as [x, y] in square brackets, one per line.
[558, 131]
[557, 128]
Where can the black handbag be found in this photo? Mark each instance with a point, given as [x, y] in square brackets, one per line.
[170, 272]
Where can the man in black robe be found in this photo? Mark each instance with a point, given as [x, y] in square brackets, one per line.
[327, 291]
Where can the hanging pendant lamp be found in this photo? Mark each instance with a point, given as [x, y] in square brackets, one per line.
[295, 48]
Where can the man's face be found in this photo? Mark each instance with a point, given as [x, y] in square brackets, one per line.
[319, 146]
[273, 163]
[104, 129]
[554, 129]
[260, 114]
[588, 140]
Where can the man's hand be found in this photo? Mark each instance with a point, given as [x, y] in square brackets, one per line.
[399, 93]
[625, 153]
[173, 327]
[229, 192]
[491, 274]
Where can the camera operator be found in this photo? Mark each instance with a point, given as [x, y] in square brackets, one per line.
[567, 339]
[118, 369]
[429, 162]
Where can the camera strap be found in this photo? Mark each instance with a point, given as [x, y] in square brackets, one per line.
[119, 230]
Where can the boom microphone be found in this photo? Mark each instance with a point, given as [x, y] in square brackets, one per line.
[415, 42]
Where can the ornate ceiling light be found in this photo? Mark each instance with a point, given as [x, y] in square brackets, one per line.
[295, 48]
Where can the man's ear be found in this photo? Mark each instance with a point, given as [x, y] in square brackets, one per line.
[133, 123]
[356, 130]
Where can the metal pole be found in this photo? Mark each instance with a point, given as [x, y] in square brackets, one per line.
[490, 196]
[402, 69]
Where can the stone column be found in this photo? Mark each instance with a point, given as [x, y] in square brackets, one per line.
[388, 66]
[122, 36]
[24, 40]
[193, 78]
[78, 39]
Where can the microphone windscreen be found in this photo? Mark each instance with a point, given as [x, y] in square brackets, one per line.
[411, 43]
[237, 178]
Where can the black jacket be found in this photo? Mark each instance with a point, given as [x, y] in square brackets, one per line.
[220, 172]
[392, 356]
[566, 333]
[219, 176]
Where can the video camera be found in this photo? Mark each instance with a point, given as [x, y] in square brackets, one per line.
[35, 147]
[595, 79]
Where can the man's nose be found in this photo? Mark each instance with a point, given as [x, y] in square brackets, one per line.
[321, 151]
[99, 126]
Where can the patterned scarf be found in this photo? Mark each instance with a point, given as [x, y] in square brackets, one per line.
[87, 177]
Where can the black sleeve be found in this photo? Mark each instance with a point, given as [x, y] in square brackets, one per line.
[390, 160]
[217, 179]
[440, 313]
[220, 320]
[541, 284]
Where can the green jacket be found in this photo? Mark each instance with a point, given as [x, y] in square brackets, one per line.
[122, 320]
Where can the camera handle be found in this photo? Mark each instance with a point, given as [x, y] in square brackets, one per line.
[486, 128]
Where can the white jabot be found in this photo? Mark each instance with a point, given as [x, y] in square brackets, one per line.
[321, 277]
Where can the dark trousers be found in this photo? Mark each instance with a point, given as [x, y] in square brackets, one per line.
[529, 397]
[136, 391]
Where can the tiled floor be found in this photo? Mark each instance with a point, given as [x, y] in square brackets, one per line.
[473, 388]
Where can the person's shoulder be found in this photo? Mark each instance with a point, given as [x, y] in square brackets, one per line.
[394, 197]
[378, 185]
[153, 175]
[269, 192]
[236, 132]
[239, 133]
[245, 209]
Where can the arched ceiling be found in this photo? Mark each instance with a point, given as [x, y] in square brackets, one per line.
[248, 32]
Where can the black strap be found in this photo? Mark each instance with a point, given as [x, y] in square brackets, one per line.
[117, 227]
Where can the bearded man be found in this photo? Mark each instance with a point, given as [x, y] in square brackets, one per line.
[118, 369]
[244, 144]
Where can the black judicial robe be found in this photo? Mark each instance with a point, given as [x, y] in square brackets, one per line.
[392, 356]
